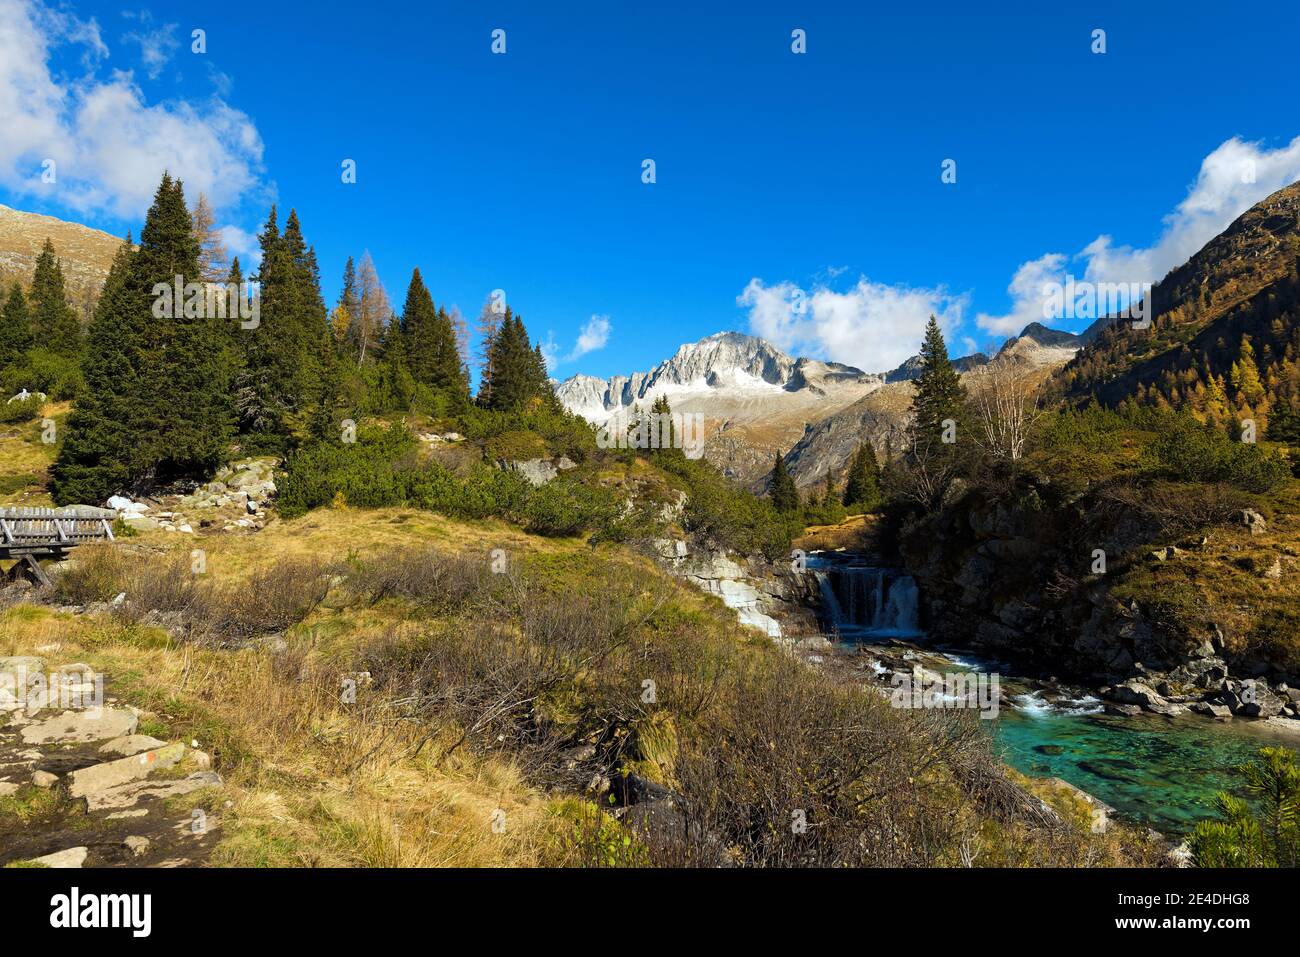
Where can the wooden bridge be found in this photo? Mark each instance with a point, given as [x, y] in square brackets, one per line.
[30, 534]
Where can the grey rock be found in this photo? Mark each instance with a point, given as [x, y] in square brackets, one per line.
[130, 744]
[44, 779]
[83, 727]
[137, 845]
[72, 857]
[92, 782]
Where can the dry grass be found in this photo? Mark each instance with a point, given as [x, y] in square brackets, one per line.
[473, 693]
[855, 532]
[288, 746]
[25, 460]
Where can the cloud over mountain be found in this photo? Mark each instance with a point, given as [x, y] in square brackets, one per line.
[872, 326]
[1232, 178]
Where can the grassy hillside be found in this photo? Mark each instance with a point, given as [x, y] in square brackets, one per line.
[515, 697]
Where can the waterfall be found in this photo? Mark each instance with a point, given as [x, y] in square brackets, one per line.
[864, 601]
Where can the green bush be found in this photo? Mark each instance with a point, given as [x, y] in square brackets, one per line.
[1265, 835]
[514, 445]
[486, 492]
[566, 506]
[40, 370]
[24, 410]
[730, 515]
[370, 473]
[1187, 450]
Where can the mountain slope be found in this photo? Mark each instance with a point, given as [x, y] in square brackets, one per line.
[1242, 283]
[85, 253]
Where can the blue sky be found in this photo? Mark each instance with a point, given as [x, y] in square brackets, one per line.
[798, 196]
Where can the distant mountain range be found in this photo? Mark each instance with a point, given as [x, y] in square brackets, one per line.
[756, 400]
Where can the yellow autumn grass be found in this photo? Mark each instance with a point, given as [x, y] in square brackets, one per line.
[310, 780]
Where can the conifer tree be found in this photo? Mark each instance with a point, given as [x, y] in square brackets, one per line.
[432, 355]
[15, 327]
[516, 369]
[100, 455]
[863, 485]
[285, 368]
[487, 327]
[1244, 374]
[784, 494]
[370, 311]
[156, 404]
[212, 251]
[184, 367]
[54, 322]
[939, 393]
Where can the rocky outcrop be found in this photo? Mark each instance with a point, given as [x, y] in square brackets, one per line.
[1013, 579]
[763, 595]
[539, 471]
[104, 784]
[237, 497]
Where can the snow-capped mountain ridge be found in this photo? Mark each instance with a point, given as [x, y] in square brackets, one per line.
[723, 366]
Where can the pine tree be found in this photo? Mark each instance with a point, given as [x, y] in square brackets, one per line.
[487, 327]
[664, 427]
[517, 371]
[348, 296]
[863, 485]
[369, 309]
[100, 455]
[431, 351]
[54, 322]
[784, 494]
[940, 395]
[15, 327]
[285, 369]
[185, 416]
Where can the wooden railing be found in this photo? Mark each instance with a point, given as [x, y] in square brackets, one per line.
[27, 534]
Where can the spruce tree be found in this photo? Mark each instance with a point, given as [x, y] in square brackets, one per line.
[419, 331]
[185, 414]
[784, 494]
[939, 393]
[259, 395]
[863, 485]
[285, 368]
[54, 322]
[100, 452]
[15, 327]
[516, 367]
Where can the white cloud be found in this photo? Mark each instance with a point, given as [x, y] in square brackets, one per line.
[1234, 177]
[1026, 295]
[872, 326]
[550, 351]
[241, 243]
[593, 336]
[157, 43]
[110, 144]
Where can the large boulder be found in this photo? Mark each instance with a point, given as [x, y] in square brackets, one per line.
[1257, 700]
[1135, 691]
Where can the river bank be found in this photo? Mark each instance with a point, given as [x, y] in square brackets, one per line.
[1162, 771]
